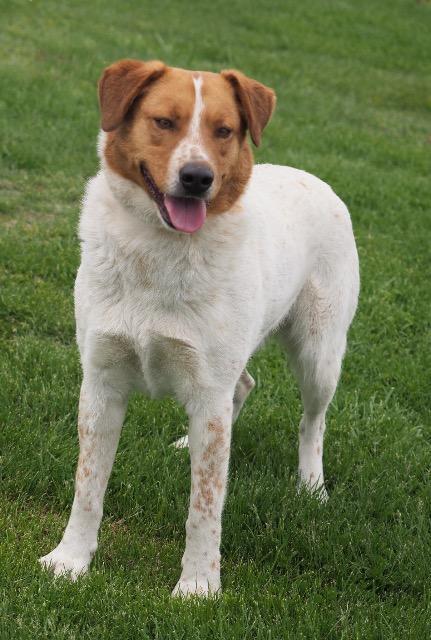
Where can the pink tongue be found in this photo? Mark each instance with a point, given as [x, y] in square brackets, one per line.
[186, 214]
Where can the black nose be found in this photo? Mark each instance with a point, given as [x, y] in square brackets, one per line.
[196, 178]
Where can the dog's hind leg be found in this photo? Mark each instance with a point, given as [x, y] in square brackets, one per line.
[243, 387]
[315, 339]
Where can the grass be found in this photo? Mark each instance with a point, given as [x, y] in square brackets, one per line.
[353, 82]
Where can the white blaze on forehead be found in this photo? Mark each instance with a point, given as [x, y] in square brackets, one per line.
[197, 113]
[191, 147]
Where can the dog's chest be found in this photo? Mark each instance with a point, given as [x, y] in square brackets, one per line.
[178, 317]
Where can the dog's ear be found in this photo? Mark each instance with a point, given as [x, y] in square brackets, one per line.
[121, 84]
[256, 101]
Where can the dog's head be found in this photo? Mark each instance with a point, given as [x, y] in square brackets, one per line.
[181, 135]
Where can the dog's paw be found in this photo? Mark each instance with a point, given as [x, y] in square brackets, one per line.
[62, 563]
[200, 587]
[316, 489]
[320, 493]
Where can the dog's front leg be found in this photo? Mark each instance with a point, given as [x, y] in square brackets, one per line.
[209, 443]
[101, 412]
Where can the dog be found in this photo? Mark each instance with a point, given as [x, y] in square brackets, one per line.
[191, 257]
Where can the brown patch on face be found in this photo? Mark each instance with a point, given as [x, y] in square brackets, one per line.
[253, 103]
[231, 158]
[138, 138]
[133, 95]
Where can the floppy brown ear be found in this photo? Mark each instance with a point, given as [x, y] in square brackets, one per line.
[256, 100]
[121, 84]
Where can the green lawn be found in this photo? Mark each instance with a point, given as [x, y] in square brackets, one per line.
[354, 107]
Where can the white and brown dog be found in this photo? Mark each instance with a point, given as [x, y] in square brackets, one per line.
[191, 257]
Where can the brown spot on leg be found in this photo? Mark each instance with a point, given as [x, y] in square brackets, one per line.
[197, 504]
[216, 445]
[216, 425]
[206, 493]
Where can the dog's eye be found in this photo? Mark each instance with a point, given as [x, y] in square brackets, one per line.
[223, 132]
[164, 123]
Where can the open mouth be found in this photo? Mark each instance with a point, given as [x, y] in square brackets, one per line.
[183, 214]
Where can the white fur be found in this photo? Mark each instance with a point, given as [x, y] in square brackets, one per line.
[197, 113]
[176, 314]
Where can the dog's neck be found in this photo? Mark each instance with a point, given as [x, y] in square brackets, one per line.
[134, 225]
[141, 218]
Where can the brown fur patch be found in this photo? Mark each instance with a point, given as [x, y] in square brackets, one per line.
[257, 102]
[120, 85]
[207, 481]
[231, 159]
[138, 138]
[133, 94]
[86, 443]
[215, 446]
